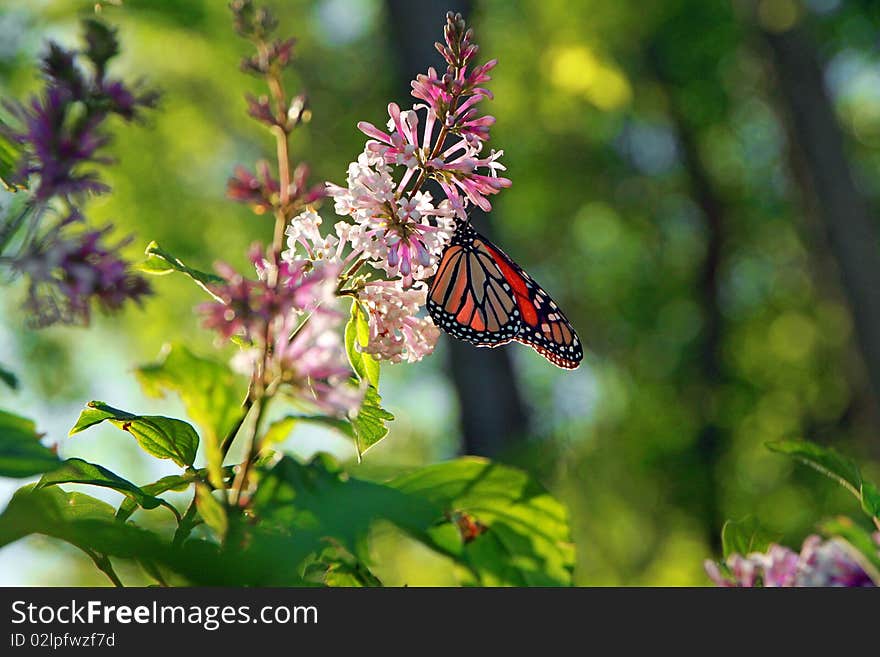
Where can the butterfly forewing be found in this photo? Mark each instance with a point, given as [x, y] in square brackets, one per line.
[481, 296]
[470, 297]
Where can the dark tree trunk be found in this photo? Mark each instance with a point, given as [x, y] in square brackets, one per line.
[842, 209]
[712, 437]
[493, 415]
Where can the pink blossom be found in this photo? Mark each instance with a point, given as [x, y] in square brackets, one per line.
[397, 333]
[820, 563]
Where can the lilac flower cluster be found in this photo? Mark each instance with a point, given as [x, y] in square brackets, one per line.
[821, 563]
[60, 137]
[288, 319]
[396, 226]
[68, 273]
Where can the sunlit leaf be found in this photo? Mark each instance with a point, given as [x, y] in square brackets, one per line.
[357, 336]
[526, 540]
[170, 483]
[160, 262]
[21, 452]
[162, 437]
[370, 423]
[78, 471]
[211, 511]
[211, 392]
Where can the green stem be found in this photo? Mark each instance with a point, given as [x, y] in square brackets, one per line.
[102, 561]
[186, 525]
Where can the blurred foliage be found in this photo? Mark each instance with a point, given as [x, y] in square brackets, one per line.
[595, 103]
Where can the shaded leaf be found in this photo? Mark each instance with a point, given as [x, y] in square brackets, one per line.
[21, 452]
[526, 540]
[210, 391]
[8, 378]
[78, 471]
[162, 437]
[318, 500]
[833, 465]
[160, 262]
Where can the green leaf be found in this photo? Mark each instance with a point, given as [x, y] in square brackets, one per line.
[833, 465]
[78, 471]
[823, 459]
[743, 537]
[317, 500]
[211, 511]
[162, 437]
[336, 566]
[8, 378]
[171, 482]
[357, 336]
[21, 452]
[524, 537]
[10, 156]
[210, 391]
[369, 424]
[73, 517]
[280, 429]
[160, 262]
[870, 496]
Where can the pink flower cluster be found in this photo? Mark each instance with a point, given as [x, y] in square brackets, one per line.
[819, 563]
[287, 321]
[394, 224]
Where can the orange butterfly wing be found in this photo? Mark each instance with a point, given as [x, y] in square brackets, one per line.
[483, 297]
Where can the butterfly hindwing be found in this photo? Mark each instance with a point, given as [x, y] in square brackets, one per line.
[482, 296]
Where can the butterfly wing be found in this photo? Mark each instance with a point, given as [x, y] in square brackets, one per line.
[544, 327]
[470, 298]
[483, 297]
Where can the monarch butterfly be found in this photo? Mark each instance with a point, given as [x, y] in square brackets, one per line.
[481, 296]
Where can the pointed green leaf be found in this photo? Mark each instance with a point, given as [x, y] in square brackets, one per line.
[78, 471]
[160, 262]
[370, 422]
[162, 437]
[837, 467]
[21, 452]
[210, 391]
[171, 482]
[823, 459]
[357, 336]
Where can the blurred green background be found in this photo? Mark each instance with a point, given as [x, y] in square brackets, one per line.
[662, 192]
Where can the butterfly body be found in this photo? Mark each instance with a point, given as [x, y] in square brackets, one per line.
[480, 295]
